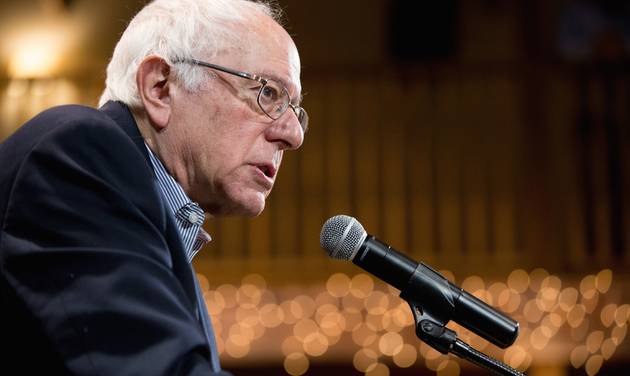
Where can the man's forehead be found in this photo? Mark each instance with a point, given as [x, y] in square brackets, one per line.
[283, 67]
[269, 52]
[291, 82]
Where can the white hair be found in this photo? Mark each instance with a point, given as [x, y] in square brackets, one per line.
[178, 29]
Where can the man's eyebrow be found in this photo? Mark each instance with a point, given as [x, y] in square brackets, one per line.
[277, 78]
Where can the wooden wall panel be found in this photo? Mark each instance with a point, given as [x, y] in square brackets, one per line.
[623, 116]
[338, 140]
[232, 243]
[419, 100]
[562, 118]
[475, 169]
[393, 164]
[599, 162]
[504, 147]
[448, 169]
[311, 170]
[259, 233]
[366, 130]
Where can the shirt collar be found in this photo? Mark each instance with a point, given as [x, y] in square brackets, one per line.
[189, 217]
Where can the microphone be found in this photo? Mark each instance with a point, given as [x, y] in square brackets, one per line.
[344, 238]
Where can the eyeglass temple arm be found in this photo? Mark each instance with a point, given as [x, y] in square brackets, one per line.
[223, 69]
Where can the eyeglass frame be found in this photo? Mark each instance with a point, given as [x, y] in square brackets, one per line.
[261, 80]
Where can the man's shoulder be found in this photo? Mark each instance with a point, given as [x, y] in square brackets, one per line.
[72, 125]
[74, 147]
[81, 134]
[71, 112]
[65, 119]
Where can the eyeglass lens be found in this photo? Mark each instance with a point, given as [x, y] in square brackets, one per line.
[274, 100]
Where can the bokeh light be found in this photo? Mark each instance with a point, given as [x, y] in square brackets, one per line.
[363, 359]
[536, 278]
[406, 357]
[594, 341]
[607, 315]
[315, 344]
[338, 285]
[578, 356]
[608, 348]
[228, 292]
[593, 364]
[291, 345]
[568, 298]
[603, 280]
[390, 343]
[622, 314]
[362, 335]
[518, 280]
[619, 334]
[304, 328]
[377, 303]
[296, 364]
[271, 315]
[355, 311]
[361, 285]
[448, 367]
[377, 369]
[236, 350]
[576, 315]
[587, 286]
[473, 283]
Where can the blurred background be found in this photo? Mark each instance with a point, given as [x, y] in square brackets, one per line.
[487, 138]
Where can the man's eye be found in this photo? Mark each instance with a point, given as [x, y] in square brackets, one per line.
[270, 93]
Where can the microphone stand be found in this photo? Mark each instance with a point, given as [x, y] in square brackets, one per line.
[445, 340]
[434, 333]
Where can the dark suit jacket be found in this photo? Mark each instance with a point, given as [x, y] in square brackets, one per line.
[94, 280]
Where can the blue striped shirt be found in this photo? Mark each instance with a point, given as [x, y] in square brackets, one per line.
[189, 216]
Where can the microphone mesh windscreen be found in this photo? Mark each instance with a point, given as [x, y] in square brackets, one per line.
[342, 236]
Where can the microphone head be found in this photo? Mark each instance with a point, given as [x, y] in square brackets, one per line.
[342, 236]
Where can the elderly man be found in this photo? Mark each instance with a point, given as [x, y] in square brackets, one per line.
[102, 210]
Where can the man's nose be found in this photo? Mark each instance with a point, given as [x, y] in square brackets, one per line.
[287, 130]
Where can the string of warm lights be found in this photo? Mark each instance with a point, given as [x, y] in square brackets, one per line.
[578, 325]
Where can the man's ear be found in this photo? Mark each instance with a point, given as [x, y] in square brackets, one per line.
[154, 78]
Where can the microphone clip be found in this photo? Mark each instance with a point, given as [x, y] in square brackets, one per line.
[435, 335]
[425, 285]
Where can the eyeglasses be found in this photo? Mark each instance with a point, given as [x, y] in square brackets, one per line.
[273, 97]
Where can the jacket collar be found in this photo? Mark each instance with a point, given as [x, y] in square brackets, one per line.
[121, 114]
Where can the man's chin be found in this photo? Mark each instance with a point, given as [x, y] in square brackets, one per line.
[252, 212]
[238, 202]
[250, 206]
